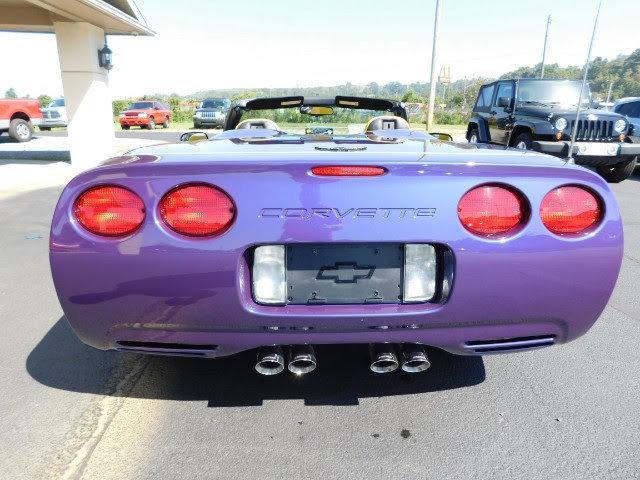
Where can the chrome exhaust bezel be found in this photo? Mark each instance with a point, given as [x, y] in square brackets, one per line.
[414, 353]
[383, 358]
[270, 355]
[302, 354]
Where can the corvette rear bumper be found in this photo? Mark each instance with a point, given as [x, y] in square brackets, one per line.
[463, 340]
[156, 287]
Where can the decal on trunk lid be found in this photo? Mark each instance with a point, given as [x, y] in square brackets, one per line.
[353, 212]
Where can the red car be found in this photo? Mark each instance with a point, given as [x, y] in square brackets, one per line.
[18, 116]
[145, 114]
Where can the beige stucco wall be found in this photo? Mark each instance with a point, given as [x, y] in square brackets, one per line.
[86, 92]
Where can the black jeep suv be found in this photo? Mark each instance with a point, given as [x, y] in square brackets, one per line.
[540, 115]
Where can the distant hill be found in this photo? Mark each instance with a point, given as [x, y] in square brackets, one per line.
[623, 70]
[395, 90]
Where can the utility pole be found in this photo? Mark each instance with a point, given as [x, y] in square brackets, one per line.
[544, 49]
[584, 82]
[609, 92]
[432, 84]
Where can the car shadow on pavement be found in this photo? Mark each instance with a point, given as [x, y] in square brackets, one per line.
[635, 175]
[61, 361]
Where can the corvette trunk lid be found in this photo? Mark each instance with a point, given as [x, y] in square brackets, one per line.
[408, 147]
[278, 198]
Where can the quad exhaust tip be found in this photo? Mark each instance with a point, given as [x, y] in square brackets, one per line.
[383, 358]
[302, 359]
[270, 361]
[414, 358]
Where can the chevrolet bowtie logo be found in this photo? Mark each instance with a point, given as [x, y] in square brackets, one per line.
[345, 272]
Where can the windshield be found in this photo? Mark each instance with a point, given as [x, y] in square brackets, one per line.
[140, 106]
[59, 102]
[341, 121]
[215, 103]
[562, 93]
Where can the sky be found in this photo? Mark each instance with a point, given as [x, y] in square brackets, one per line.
[215, 44]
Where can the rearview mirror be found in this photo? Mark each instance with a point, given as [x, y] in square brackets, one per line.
[504, 102]
[445, 137]
[316, 110]
[193, 137]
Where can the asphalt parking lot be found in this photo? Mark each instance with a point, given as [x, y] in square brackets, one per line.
[70, 411]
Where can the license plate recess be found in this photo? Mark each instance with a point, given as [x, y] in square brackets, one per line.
[344, 273]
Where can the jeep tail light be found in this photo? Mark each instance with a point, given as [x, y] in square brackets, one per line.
[491, 210]
[348, 171]
[197, 210]
[109, 210]
[570, 210]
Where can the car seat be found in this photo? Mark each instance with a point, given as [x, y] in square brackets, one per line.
[257, 123]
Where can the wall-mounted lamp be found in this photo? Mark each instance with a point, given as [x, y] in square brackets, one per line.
[104, 57]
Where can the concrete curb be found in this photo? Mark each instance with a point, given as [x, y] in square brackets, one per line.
[53, 155]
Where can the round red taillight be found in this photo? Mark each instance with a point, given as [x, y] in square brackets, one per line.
[197, 210]
[109, 210]
[491, 210]
[570, 210]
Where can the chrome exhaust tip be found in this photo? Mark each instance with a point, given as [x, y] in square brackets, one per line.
[383, 358]
[302, 359]
[414, 358]
[270, 361]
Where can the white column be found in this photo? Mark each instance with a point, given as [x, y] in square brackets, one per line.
[86, 92]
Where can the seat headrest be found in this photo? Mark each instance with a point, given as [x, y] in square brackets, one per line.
[386, 122]
[254, 123]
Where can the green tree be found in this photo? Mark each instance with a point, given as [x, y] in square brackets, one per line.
[550, 71]
[245, 94]
[412, 97]
[180, 112]
[119, 106]
[457, 99]
[10, 93]
[44, 100]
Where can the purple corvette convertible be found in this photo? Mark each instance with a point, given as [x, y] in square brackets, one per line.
[266, 239]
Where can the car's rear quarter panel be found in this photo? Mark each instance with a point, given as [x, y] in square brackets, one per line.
[159, 286]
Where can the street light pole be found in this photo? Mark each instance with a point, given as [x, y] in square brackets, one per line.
[609, 92]
[544, 49]
[574, 130]
[432, 83]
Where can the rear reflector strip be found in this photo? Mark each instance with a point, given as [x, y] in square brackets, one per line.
[187, 349]
[167, 346]
[348, 171]
[509, 344]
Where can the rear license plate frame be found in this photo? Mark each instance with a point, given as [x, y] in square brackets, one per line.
[595, 149]
[344, 274]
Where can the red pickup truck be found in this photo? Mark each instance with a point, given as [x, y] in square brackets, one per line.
[145, 114]
[18, 117]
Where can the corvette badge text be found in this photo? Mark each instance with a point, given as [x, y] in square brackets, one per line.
[336, 213]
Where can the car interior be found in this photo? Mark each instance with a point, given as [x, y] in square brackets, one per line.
[318, 114]
[254, 123]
